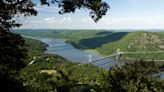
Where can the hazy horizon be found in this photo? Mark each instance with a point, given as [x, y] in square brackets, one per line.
[117, 30]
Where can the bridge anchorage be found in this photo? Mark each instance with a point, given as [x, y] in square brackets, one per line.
[118, 55]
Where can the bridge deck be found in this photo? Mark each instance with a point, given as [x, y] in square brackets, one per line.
[104, 57]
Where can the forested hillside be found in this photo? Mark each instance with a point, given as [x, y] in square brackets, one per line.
[58, 33]
[149, 42]
[52, 73]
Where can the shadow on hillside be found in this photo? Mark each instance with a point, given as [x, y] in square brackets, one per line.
[102, 38]
[104, 33]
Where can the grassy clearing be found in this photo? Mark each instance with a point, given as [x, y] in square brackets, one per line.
[92, 51]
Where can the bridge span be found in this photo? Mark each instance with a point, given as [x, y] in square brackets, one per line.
[118, 55]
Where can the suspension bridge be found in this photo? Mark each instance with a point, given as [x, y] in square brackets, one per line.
[119, 54]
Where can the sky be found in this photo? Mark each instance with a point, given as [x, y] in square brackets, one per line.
[123, 14]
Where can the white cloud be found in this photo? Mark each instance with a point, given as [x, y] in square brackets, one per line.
[50, 9]
[138, 1]
[133, 22]
[65, 20]
[50, 20]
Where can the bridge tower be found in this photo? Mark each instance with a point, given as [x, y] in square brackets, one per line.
[90, 58]
[118, 54]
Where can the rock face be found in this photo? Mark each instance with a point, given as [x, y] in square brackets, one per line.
[147, 41]
[49, 71]
[34, 58]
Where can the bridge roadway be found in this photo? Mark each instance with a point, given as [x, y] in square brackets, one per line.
[104, 57]
[143, 52]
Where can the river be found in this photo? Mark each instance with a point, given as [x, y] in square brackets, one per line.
[59, 47]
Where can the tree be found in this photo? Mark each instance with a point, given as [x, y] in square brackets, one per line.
[12, 54]
[12, 51]
[134, 78]
[13, 8]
